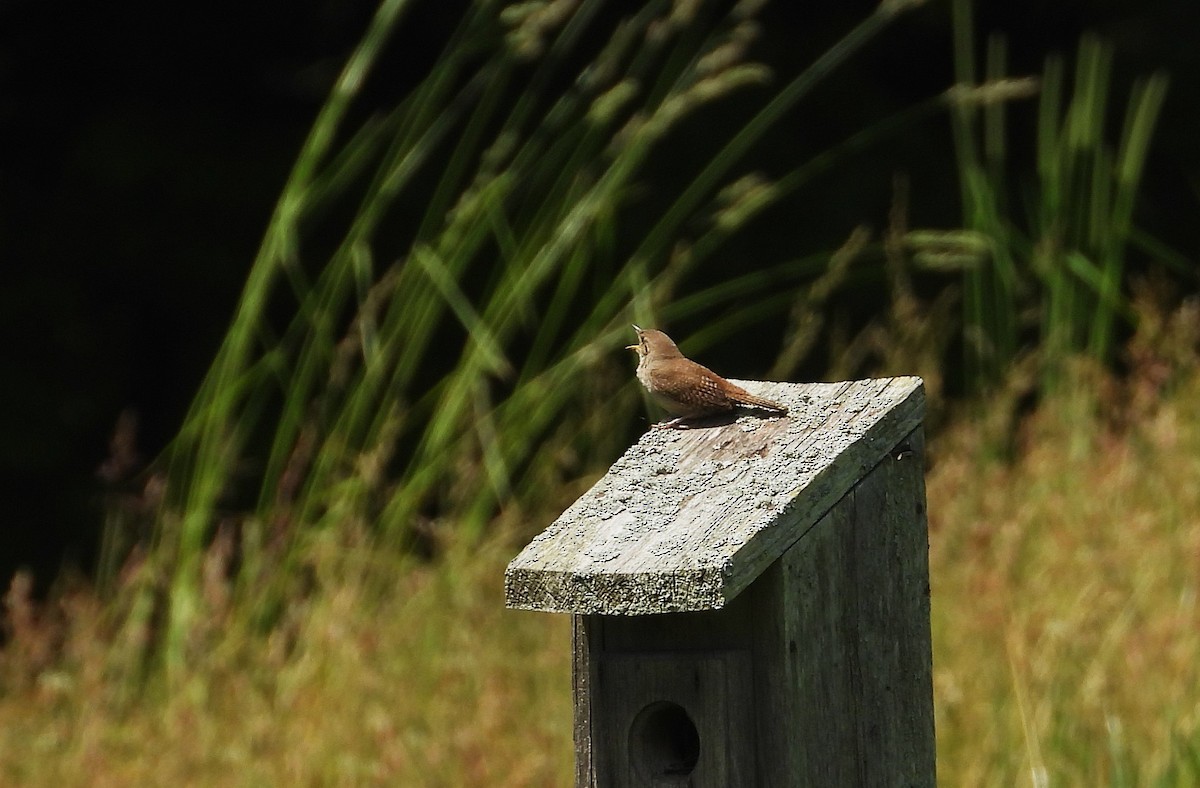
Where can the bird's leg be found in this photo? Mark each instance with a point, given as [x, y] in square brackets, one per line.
[674, 424]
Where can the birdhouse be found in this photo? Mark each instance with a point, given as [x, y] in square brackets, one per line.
[751, 599]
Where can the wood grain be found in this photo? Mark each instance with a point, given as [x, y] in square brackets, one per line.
[687, 519]
[836, 636]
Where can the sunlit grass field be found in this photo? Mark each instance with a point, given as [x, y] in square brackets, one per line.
[1065, 621]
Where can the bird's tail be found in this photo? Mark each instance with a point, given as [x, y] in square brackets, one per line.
[746, 398]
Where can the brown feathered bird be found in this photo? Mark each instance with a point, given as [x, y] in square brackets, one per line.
[683, 388]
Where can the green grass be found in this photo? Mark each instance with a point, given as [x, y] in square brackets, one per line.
[483, 262]
[1051, 286]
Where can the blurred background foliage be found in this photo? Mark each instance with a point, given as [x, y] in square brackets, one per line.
[465, 205]
[141, 171]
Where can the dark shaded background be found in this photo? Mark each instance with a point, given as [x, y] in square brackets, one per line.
[144, 144]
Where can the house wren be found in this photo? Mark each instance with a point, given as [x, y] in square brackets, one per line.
[684, 388]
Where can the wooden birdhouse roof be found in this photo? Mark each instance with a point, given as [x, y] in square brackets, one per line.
[687, 519]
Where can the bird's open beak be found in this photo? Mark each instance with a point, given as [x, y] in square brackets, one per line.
[638, 329]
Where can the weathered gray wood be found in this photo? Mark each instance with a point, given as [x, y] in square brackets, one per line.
[582, 679]
[707, 687]
[842, 646]
[687, 519]
[700, 661]
[837, 636]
